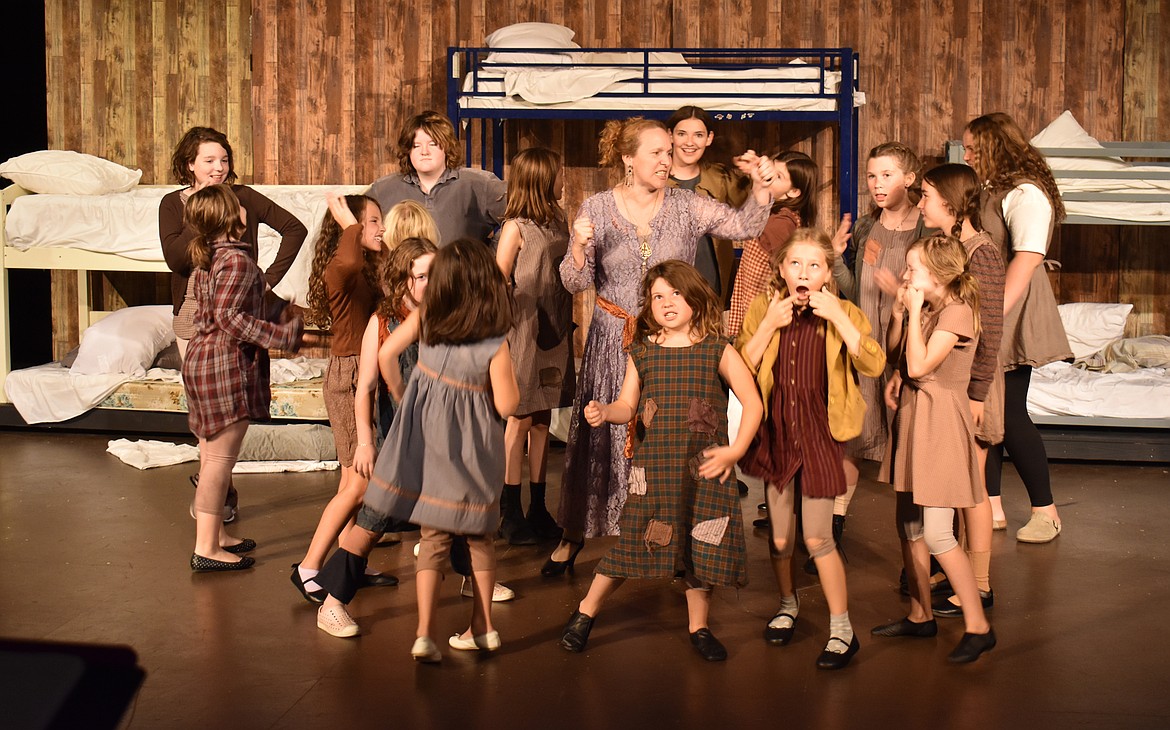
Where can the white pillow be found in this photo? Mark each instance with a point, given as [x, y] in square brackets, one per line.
[532, 35]
[126, 341]
[1066, 131]
[64, 172]
[1090, 327]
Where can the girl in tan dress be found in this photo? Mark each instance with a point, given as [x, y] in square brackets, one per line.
[532, 243]
[932, 462]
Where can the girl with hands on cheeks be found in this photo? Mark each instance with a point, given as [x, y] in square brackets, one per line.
[681, 513]
[803, 345]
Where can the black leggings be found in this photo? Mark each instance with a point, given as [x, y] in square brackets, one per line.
[1022, 441]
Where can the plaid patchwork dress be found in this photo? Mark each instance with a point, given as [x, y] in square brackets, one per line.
[673, 520]
[226, 373]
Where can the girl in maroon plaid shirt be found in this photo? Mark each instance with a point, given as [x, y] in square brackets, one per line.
[225, 372]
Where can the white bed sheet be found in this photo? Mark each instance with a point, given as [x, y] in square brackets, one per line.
[575, 88]
[52, 393]
[126, 224]
[1059, 389]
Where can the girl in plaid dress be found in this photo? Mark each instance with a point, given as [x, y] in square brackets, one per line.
[806, 347]
[681, 515]
[225, 372]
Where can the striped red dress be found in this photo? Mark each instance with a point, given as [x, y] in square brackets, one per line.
[226, 370]
[795, 437]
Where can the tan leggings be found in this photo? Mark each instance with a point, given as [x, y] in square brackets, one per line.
[816, 515]
[217, 456]
[435, 545]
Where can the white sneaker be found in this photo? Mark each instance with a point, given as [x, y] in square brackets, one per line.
[424, 650]
[500, 593]
[489, 642]
[336, 621]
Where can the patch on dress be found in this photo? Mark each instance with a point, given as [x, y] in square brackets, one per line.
[711, 531]
[637, 481]
[658, 534]
[701, 417]
[648, 411]
[550, 377]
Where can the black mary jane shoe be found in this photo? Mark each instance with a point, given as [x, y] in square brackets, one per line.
[942, 606]
[833, 660]
[971, 646]
[378, 580]
[200, 564]
[708, 646]
[317, 596]
[906, 627]
[553, 568]
[246, 545]
[576, 633]
[779, 636]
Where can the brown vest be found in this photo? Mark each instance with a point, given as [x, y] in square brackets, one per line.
[1032, 331]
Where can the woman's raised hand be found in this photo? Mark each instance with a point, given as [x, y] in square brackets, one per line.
[582, 234]
[595, 413]
[340, 209]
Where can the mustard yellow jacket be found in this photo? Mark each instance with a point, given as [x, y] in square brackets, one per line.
[846, 406]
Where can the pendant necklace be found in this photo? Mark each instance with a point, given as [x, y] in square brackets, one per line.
[644, 250]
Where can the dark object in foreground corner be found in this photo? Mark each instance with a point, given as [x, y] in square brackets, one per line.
[51, 685]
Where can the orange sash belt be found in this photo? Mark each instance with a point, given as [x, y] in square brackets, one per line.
[628, 328]
[616, 311]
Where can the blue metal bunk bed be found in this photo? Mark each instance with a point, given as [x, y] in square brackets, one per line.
[741, 84]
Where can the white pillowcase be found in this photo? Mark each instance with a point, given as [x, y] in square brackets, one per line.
[1066, 131]
[126, 341]
[535, 59]
[64, 172]
[1090, 327]
[532, 35]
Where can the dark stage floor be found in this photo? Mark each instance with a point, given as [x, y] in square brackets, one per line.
[96, 551]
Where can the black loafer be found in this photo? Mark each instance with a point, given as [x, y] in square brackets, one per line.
[200, 564]
[576, 633]
[833, 660]
[971, 646]
[708, 646]
[317, 596]
[379, 580]
[246, 545]
[779, 636]
[942, 605]
[906, 627]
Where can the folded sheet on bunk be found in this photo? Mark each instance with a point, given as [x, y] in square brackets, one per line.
[146, 454]
[1061, 389]
[662, 87]
[126, 224]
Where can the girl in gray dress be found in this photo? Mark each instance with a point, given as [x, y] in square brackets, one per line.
[442, 464]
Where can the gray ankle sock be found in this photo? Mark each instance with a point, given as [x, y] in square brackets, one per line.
[839, 628]
[790, 606]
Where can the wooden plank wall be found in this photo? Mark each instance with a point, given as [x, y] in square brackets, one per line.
[313, 91]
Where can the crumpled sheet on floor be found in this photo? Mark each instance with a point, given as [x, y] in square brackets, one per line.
[146, 454]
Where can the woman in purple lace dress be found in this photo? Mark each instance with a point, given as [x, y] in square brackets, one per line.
[618, 235]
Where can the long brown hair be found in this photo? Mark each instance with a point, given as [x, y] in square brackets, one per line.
[946, 258]
[531, 182]
[958, 186]
[214, 214]
[1004, 158]
[803, 172]
[467, 297]
[396, 276]
[438, 128]
[323, 252]
[707, 314]
[188, 149]
[806, 235]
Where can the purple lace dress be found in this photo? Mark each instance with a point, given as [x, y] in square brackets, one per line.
[593, 490]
